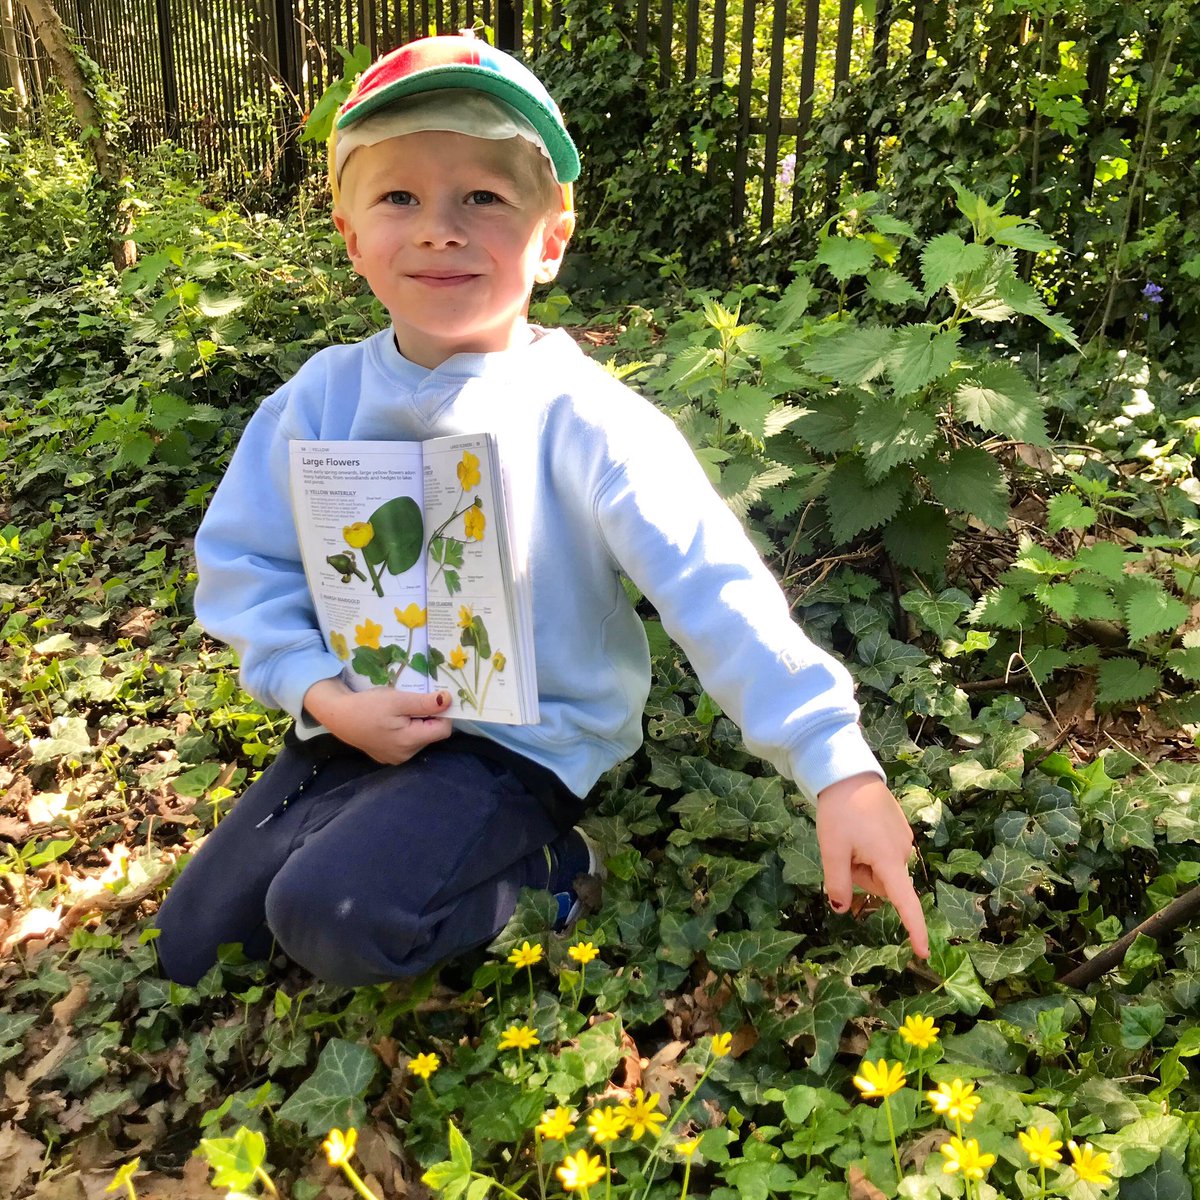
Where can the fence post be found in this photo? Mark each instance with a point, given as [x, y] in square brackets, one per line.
[166, 56]
[506, 27]
[289, 76]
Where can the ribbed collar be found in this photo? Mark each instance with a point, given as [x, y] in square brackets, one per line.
[460, 367]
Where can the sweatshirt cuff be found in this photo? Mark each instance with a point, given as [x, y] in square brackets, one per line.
[832, 758]
[294, 674]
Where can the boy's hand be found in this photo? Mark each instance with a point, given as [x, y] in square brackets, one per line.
[865, 841]
[388, 725]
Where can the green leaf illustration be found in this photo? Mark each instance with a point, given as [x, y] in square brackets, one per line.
[399, 532]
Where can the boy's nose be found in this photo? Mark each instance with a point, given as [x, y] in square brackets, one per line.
[440, 226]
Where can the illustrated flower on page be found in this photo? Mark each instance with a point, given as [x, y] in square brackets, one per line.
[499, 661]
[919, 1032]
[474, 524]
[880, 1079]
[556, 1123]
[468, 471]
[458, 658]
[337, 643]
[466, 615]
[412, 617]
[358, 535]
[526, 955]
[367, 634]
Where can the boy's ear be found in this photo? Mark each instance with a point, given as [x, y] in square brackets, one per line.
[554, 245]
[342, 222]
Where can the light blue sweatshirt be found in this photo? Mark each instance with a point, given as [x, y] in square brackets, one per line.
[603, 484]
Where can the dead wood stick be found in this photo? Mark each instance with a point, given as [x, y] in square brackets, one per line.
[1163, 921]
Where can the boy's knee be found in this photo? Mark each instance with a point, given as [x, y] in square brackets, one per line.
[336, 932]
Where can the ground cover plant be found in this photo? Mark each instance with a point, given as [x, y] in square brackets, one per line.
[996, 532]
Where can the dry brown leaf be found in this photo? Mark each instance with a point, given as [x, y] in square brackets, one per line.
[861, 1188]
[663, 1073]
[67, 1009]
[7, 747]
[745, 1038]
[138, 626]
[45, 807]
[916, 1152]
[61, 1187]
[632, 1062]
[21, 1158]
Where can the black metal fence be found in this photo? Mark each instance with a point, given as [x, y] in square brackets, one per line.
[232, 80]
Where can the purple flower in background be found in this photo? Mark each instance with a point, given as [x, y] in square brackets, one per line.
[787, 169]
[1153, 293]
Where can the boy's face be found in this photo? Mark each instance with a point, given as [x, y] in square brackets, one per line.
[451, 232]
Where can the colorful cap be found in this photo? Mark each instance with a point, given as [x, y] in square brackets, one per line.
[438, 63]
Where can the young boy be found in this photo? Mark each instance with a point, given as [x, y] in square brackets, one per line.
[385, 837]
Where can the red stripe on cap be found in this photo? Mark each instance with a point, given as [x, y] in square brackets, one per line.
[420, 56]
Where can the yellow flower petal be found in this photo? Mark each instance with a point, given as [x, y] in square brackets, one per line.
[424, 1065]
[458, 658]
[367, 634]
[880, 1079]
[468, 471]
[413, 617]
[474, 523]
[583, 952]
[526, 955]
[339, 1146]
[919, 1031]
[722, 1044]
[358, 535]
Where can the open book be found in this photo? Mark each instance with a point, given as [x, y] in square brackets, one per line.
[413, 571]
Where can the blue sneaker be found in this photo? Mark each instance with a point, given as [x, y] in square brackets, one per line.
[567, 858]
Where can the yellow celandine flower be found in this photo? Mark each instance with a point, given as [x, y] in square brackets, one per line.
[474, 523]
[641, 1114]
[466, 615]
[519, 1037]
[424, 1065]
[526, 955]
[359, 534]
[367, 634]
[966, 1157]
[1092, 1166]
[337, 643]
[468, 471]
[579, 1171]
[919, 1031]
[339, 1146]
[412, 617]
[687, 1149]
[606, 1124]
[498, 661]
[583, 952]
[458, 658]
[880, 1079]
[556, 1123]
[956, 1100]
[722, 1044]
[1040, 1145]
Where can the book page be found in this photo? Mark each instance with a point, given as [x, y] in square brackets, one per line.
[358, 510]
[471, 630]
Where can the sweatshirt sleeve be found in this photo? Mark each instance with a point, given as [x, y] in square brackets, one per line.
[252, 592]
[679, 542]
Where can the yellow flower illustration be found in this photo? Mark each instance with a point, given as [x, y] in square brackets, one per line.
[337, 643]
[605, 1124]
[499, 661]
[965, 1157]
[579, 1171]
[641, 1114]
[583, 952]
[519, 1037]
[474, 524]
[556, 1123]
[919, 1031]
[722, 1044]
[956, 1100]
[688, 1148]
[1040, 1145]
[339, 1146]
[880, 1079]
[526, 955]
[411, 617]
[468, 471]
[1092, 1166]
[359, 534]
[458, 658]
[424, 1065]
[466, 615]
[367, 634]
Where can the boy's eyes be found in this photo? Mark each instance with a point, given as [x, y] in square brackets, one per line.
[479, 196]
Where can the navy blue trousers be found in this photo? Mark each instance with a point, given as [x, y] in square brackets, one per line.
[363, 873]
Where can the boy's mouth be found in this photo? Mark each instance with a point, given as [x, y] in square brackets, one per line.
[442, 278]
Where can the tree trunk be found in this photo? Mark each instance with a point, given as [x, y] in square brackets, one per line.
[16, 76]
[50, 31]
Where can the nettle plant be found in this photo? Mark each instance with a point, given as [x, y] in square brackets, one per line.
[889, 424]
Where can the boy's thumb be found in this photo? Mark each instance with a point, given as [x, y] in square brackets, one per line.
[839, 887]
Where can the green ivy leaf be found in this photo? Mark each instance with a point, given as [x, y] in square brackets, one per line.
[1141, 1024]
[970, 480]
[855, 504]
[235, 1160]
[1000, 399]
[761, 950]
[921, 354]
[852, 354]
[1000, 962]
[919, 538]
[1123, 680]
[962, 909]
[834, 1003]
[331, 1097]
[883, 658]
